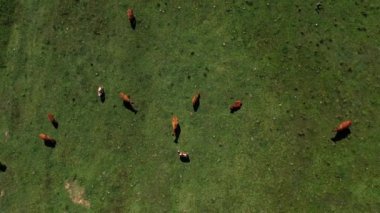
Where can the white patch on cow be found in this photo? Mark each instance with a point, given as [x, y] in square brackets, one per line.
[100, 91]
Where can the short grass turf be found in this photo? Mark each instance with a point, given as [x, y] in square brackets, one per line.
[298, 72]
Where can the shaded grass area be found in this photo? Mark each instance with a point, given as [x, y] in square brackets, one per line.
[7, 18]
[298, 73]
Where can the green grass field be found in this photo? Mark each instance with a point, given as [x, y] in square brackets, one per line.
[298, 73]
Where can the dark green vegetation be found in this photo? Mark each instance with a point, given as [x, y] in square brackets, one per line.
[298, 73]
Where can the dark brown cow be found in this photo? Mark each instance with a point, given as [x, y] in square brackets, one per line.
[52, 120]
[196, 101]
[131, 18]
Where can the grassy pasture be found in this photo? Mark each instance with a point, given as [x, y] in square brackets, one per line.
[298, 73]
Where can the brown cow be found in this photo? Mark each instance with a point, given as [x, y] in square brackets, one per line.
[44, 137]
[236, 106]
[127, 102]
[175, 124]
[130, 14]
[176, 128]
[52, 120]
[51, 117]
[196, 101]
[49, 141]
[125, 97]
[342, 131]
[131, 18]
[343, 126]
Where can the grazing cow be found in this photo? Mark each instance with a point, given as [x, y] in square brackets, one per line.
[183, 156]
[343, 126]
[196, 101]
[100, 91]
[51, 117]
[236, 106]
[49, 142]
[318, 7]
[45, 137]
[131, 18]
[342, 131]
[101, 94]
[52, 120]
[130, 14]
[175, 124]
[176, 128]
[125, 97]
[127, 102]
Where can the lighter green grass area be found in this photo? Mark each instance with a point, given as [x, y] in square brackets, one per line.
[298, 73]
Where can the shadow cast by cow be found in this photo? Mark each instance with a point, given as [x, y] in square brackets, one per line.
[55, 124]
[50, 143]
[196, 106]
[185, 159]
[129, 106]
[340, 135]
[234, 110]
[3, 167]
[176, 133]
[103, 97]
[133, 23]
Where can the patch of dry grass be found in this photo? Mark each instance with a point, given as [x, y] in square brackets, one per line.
[76, 193]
